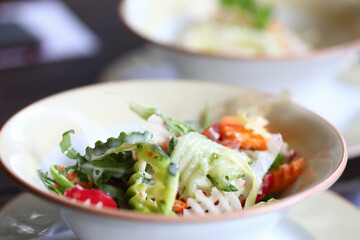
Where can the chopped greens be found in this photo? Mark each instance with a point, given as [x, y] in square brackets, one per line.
[48, 182]
[175, 126]
[112, 165]
[114, 159]
[117, 193]
[66, 146]
[60, 178]
[124, 142]
[259, 13]
[278, 161]
[198, 158]
[171, 145]
[223, 185]
[169, 172]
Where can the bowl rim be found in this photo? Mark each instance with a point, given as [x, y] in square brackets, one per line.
[124, 214]
[333, 51]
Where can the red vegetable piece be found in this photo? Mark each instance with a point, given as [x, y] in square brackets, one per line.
[286, 175]
[179, 206]
[231, 143]
[95, 196]
[268, 179]
[212, 132]
[292, 155]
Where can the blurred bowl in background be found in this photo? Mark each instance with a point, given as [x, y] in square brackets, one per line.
[330, 29]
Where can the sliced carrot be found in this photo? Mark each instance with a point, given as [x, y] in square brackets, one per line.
[286, 175]
[71, 176]
[179, 206]
[61, 168]
[231, 128]
[231, 121]
[57, 185]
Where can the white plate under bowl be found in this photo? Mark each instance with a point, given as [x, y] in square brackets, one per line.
[326, 217]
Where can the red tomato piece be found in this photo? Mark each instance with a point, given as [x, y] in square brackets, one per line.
[212, 132]
[230, 143]
[94, 195]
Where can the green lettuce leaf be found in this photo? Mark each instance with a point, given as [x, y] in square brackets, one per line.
[175, 126]
[114, 159]
[110, 166]
[66, 146]
[116, 193]
[124, 142]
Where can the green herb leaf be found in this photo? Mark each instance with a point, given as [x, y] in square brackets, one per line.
[60, 178]
[171, 145]
[277, 162]
[175, 126]
[262, 16]
[48, 182]
[66, 146]
[223, 185]
[259, 13]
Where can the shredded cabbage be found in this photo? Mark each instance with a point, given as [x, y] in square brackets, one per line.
[199, 157]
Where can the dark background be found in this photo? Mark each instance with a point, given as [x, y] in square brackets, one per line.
[23, 85]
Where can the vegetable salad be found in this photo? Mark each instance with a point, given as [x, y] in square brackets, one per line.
[244, 28]
[179, 167]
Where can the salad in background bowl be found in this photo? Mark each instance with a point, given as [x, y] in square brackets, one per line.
[268, 45]
[30, 141]
[241, 28]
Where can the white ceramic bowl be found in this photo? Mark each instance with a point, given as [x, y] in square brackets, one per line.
[29, 141]
[330, 25]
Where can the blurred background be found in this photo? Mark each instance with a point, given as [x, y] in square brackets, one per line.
[50, 46]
